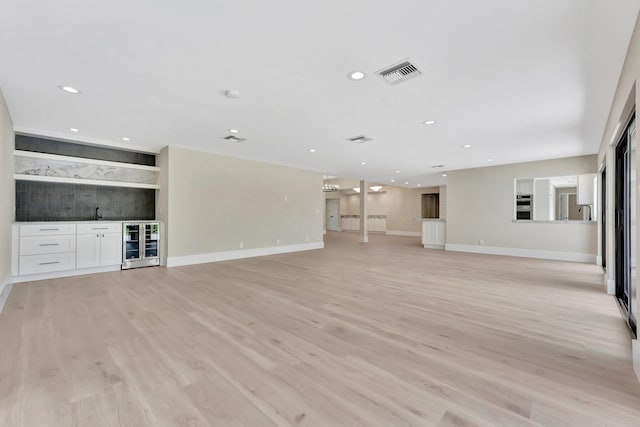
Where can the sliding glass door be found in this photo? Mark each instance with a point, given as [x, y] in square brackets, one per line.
[625, 222]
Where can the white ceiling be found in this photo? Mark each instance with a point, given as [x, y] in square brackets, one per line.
[519, 80]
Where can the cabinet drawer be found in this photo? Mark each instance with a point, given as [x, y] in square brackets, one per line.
[99, 228]
[34, 264]
[38, 245]
[52, 229]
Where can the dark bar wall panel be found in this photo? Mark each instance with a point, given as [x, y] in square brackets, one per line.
[47, 201]
[49, 146]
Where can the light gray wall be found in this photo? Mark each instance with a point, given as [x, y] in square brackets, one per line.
[402, 206]
[7, 195]
[480, 206]
[215, 203]
[627, 98]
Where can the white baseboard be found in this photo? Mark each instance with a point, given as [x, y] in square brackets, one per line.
[404, 233]
[635, 350]
[5, 289]
[432, 246]
[177, 261]
[611, 286]
[526, 253]
[68, 273]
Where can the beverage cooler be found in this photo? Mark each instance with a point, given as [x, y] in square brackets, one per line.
[140, 244]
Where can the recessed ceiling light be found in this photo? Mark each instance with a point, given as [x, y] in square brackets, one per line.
[406, 182]
[393, 180]
[356, 75]
[69, 89]
[444, 174]
[234, 130]
[376, 188]
[489, 160]
[466, 146]
[74, 129]
[429, 122]
[363, 163]
[397, 171]
[312, 150]
[124, 138]
[418, 185]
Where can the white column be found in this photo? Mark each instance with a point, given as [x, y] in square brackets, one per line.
[364, 213]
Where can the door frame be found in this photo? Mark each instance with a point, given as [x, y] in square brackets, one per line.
[326, 216]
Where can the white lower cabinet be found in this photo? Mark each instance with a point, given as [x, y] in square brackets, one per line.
[59, 247]
[98, 245]
[46, 248]
[433, 234]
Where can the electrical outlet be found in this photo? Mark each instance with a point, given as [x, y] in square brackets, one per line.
[241, 245]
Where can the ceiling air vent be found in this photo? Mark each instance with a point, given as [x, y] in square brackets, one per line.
[359, 139]
[437, 166]
[400, 72]
[233, 138]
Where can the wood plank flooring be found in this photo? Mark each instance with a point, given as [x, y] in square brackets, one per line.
[382, 334]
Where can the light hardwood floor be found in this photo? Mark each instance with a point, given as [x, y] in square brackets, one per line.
[383, 334]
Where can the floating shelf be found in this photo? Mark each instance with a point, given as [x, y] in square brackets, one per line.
[43, 167]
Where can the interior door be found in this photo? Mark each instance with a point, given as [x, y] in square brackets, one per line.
[333, 213]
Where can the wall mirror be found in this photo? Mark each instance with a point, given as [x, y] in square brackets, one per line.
[557, 198]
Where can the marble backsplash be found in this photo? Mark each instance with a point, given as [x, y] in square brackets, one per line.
[78, 170]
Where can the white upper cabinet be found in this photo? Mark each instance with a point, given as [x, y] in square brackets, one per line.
[524, 186]
[585, 191]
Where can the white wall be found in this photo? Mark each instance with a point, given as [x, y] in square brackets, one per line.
[626, 98]
[7, 196]
[217, 204]
[480, 206]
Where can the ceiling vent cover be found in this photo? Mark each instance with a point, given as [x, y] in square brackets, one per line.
[233, 138]
[400, 72]
[359, 139]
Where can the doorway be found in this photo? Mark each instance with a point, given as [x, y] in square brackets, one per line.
[431, 206]
[333, 214]
[625, 222]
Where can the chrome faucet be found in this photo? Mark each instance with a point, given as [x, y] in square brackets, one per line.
[98, 214]
[585, 206]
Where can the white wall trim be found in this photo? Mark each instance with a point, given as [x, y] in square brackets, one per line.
[432, 246]
[527, 253]
[611, 286]
[4, 293]
[635, 351]
[404, 233]
[240, 253]
[599, 259]
[67, 273]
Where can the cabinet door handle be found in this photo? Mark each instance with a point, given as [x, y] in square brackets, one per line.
[100, 228]
[49, 229]
[48, 244]
[48, 263]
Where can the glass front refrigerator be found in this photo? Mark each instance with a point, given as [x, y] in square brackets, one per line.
[140, 244]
